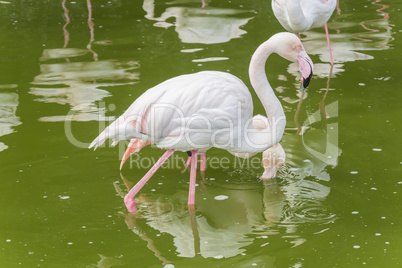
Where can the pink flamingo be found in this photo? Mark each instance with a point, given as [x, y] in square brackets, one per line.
[298, 16]
[195, 112]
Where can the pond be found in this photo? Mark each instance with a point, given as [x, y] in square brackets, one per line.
[68, 68]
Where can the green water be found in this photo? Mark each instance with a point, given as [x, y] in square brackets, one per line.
[335, 203]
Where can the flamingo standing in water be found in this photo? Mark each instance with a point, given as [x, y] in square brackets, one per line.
[195, 112]
[273, 158]
[298, 16]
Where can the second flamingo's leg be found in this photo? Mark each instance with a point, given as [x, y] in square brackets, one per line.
[129, 198]
[188, 159]
[329, 44]
[193, 175]
[188, 162]
[202, 168]
[202, 160]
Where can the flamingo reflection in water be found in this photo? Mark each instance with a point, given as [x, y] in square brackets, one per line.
[229, 219]
[200, 25]
[80, 78]
[8, 109]
[222, 229]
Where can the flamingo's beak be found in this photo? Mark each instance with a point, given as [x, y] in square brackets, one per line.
[306, 67]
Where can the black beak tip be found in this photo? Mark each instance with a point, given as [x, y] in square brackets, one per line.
[306, 81]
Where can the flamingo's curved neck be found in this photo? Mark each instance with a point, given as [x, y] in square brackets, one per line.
[260, 82]
[273, 108]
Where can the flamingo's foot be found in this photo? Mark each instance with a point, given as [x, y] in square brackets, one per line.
[130, 203]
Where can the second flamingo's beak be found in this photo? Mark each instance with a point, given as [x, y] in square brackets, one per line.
[306, 67]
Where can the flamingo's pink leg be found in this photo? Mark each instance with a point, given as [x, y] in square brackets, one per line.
[193, 174]
[202, 164]
[129, 198]
[329, 44]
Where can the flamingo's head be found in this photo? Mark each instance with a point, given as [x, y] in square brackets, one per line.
[306, 67]
[289, 46]
[273, 158]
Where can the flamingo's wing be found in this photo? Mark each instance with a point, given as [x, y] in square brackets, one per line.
[182, 105]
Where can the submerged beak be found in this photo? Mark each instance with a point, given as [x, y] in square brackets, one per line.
[269, 173]
[306, 67]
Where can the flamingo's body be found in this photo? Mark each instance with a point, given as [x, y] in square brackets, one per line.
[198, 111]
[173, 113]
[298, 16]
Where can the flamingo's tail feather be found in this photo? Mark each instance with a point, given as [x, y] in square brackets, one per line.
[98, 141]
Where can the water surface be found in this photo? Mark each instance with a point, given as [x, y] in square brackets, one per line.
[69, 67]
